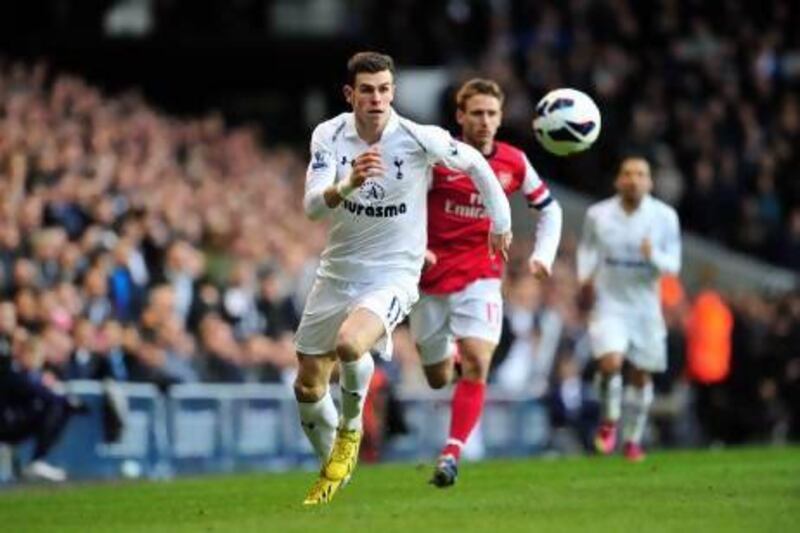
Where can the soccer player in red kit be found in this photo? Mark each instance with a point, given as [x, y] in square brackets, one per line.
[461, 287]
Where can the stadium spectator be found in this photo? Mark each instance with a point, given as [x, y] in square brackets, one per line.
[239, 300]
[8, 324]
[30, 408]
[84, 362]
[222, 356]
[125, 291]
[783, 340]
[277, 312]
[708, 357]
[532, 330]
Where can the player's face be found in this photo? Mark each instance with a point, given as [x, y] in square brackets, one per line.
[371, 96]
[480, 119]
[633, 180]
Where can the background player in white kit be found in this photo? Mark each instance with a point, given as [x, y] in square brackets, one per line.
[628, 242]
[369, 174]
[461, 290]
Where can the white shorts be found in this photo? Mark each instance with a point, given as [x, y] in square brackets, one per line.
[474, 312]
[642, 341]
[331, 301]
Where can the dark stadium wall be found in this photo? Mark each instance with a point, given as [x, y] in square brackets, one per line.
[261, 81]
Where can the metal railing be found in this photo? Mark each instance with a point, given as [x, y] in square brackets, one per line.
[202, 428]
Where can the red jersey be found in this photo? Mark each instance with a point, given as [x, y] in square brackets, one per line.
[458, 227]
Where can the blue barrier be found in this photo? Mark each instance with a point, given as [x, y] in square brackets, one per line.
[511, 425]
[83, 450]
[204, 428]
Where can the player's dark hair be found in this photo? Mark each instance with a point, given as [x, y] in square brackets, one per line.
[478, 86]
[633, 155]
[370, 62]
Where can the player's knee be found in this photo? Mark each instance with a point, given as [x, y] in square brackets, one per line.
[438, 379]
[639, 378]
[610, 364]
[308, 392]
[438, 374]
[475, 367]
[347, 346]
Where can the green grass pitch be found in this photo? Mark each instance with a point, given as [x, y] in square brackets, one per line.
[754, 489]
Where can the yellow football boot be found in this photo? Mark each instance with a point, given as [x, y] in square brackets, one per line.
[322, 491]
[344, 455]
[337, 469]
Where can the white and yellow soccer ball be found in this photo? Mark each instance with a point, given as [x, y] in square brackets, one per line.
[567, 121]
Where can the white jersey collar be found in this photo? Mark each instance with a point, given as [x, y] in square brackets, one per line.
[646, 199]
[350, 130]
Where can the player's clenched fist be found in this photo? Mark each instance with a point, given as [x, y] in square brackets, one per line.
[366, 165]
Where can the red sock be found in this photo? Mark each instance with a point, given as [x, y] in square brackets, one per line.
[466, 408]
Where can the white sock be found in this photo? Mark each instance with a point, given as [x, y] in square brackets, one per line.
[637, 407]
[610, 389]
[355, 379]
[319, 420]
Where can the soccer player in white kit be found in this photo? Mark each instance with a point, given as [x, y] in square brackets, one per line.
[628, 242]
[368, 175]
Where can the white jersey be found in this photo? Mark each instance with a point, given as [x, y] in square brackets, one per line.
[609, 254]
[380, 231]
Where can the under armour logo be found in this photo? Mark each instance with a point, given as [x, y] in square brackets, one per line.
[399, 164]
[345, 161]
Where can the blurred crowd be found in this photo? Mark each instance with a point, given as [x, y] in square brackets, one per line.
[707, 89]
[141, 247]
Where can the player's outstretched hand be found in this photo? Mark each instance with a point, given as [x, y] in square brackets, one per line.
[538, 269]
[367, 165]
[430, 260]
[499, 243]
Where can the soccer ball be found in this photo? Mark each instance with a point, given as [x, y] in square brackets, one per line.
[567, 121]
